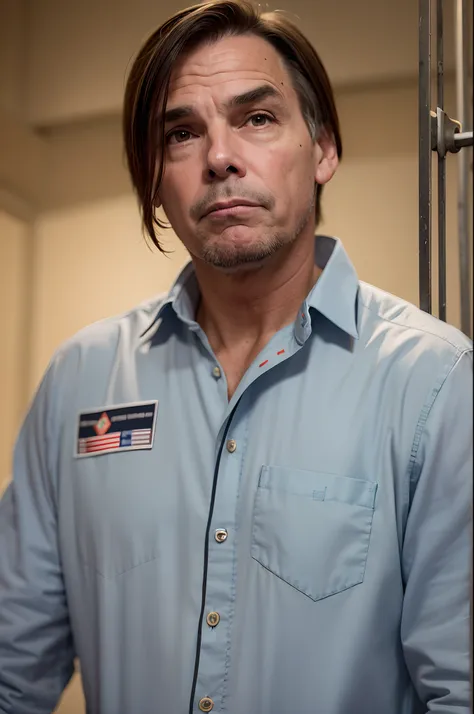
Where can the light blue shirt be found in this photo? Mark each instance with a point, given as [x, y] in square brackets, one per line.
[301, 549]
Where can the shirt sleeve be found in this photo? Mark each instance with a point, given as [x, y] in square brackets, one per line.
[36, 648]
[437, 549]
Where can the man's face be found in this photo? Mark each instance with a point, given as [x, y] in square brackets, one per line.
[240, 165]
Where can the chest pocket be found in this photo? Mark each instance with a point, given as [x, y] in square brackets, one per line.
[313, 529]
[119, 518]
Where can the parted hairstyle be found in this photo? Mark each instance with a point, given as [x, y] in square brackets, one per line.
[147, 87]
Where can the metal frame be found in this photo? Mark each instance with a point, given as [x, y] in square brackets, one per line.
[425, 146]
[438, 132]
[462, 109]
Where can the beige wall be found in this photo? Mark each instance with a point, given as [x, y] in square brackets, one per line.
[12, 55]
[91, 262]
[377, 41]
[15, 243]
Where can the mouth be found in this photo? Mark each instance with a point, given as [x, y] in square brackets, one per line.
[236, 207]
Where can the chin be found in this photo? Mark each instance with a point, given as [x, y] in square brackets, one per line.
[244, 257]
[237, 235]
[241, 269]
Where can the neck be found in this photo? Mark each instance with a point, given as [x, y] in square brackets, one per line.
[249, 306]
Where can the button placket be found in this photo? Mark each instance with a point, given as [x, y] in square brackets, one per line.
[219, 603]
[213, 619]
[231, 446]
[206, 704]
[221, 535]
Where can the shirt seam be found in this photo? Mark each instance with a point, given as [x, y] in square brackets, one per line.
[426, 410]
[415, 327]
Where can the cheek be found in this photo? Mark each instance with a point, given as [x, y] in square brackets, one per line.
[174, 192]
[290, 174]
[300, 162]
[170, 184]
[178, 194]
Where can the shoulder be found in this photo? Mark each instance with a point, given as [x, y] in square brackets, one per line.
[93, 350]
[414, 357]
[415, 351]
[397, 318]
[103, 335]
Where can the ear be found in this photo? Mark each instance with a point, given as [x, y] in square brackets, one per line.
[326, 159]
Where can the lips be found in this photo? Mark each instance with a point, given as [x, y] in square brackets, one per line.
[225, 207]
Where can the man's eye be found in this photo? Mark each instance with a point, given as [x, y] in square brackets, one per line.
[178, 137]
[260, 119]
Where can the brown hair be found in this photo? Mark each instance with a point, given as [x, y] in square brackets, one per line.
[147, 86]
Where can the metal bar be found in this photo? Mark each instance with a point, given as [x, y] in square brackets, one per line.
[464, 138]
[440, 53]
[424, 164]
[441, 167]
[462, 62]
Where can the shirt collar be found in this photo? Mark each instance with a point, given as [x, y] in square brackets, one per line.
[334, 295]
[182, 298]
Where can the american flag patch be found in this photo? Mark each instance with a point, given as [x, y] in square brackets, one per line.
[126, 427]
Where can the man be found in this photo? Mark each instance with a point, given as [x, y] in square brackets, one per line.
[252, 494]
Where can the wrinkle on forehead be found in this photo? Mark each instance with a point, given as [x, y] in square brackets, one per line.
[231, 59]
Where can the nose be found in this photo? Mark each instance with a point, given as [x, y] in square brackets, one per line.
[223, 157]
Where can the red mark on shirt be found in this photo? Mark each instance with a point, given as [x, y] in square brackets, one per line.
[263, 363]
[281, 352]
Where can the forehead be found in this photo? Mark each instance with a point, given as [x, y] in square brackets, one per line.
[228, 63]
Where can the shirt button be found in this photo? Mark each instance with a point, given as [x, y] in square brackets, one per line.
[220, 535]
[213, 619]
[206, 704]
[231, 446]
[216, 372]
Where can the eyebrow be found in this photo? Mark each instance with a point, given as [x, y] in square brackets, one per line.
[254, 95]
[265, 91]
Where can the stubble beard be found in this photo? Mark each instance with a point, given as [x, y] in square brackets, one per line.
[229, 255]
